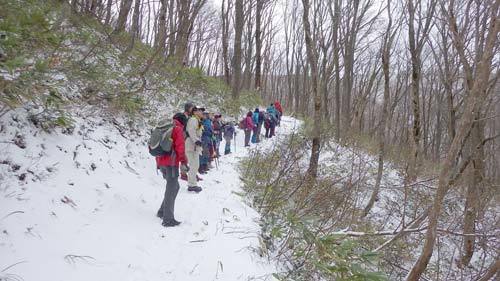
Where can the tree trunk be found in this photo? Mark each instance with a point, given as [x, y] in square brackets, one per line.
[258, 43]
[313, 63]
[161, 36]
[386, 55]
[414, 93]
[134, 30]
[109, 4]
[238, 30]
[225, 40]
[122, 16]
[247, 74]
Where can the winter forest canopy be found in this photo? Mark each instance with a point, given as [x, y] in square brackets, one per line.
[414, 83]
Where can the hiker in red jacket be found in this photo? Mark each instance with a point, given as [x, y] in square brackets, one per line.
[169, 167]
[278, 107]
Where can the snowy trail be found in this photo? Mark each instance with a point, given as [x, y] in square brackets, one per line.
[85, 210]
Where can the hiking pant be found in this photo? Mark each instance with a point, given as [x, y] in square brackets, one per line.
[271, 134]
[171, 174]
[255, 133]
[227, 148]
[259, 130]
[205, 155]
[218, 142]
[248, 132]
[267, 132]
[194, 163]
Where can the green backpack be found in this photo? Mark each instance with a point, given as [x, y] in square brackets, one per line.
[160, 142]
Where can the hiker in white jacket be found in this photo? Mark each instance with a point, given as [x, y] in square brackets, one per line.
[193, 149]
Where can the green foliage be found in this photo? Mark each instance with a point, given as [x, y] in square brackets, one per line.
[27, 25]
[53, 114]
[41, 65]
[129, 103]
[12, 64]
[189, 78]
[248, 100]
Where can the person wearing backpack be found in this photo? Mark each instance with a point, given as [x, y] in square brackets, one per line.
[229, 133]
[206, 140]
[194, 130]
[260, 122]
[273, 119]
[248, 128]
[267, 125]
[217, 127]
[168, 164]
[255, 120]
[279, 110]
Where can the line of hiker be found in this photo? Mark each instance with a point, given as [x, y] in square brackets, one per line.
[191, 143]
[254, 121]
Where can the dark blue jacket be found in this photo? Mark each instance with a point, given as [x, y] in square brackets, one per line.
[206, 137]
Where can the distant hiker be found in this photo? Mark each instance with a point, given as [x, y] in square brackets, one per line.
[273, 120]
[255, 120]
[267, 124]
[194, 131]
[279, 109]
[206, 140]
[169, 167]
[259, 125]
[248, 127]
[229, 133]
[217, 128]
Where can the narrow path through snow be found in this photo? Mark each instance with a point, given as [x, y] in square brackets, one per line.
[92, 215]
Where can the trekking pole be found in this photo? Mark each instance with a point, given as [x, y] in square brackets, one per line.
[216, 157]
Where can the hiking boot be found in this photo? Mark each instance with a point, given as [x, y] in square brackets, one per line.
[170, 223]
[194, 188]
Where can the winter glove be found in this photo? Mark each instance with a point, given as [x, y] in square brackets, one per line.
[198, 143]
[184, 168]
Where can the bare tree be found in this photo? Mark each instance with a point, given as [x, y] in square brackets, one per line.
[238, 31]
[475, 97]
[386, 55]
[417, 39]
[122, 16]
[258, 43]
[225, 39]
[312, 58]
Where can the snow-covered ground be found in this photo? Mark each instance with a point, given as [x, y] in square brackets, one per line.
[82, 206]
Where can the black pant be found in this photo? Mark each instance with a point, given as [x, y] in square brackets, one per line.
[248, 133]
[171, 174]
[272, 134]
